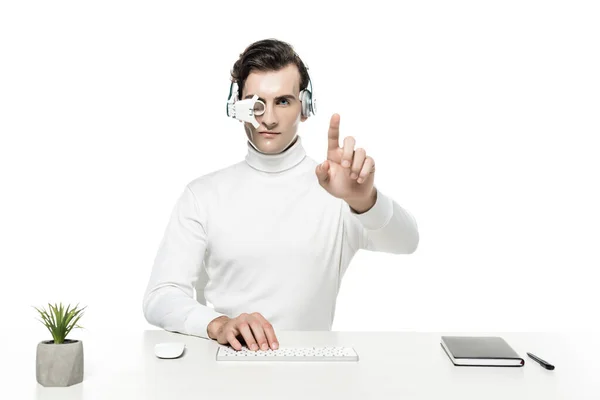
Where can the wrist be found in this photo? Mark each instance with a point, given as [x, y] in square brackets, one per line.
[363, 204]
[215, 325]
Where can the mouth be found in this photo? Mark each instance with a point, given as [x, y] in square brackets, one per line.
[269, 133]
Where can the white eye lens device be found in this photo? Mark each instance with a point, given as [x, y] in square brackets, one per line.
[245, 110]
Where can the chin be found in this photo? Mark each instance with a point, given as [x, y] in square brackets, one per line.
[271, 146]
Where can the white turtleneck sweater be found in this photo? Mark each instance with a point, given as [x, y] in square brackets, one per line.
[263, 236]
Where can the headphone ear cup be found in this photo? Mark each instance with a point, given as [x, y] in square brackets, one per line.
[306, 98]
[301, 98]
[233, 96]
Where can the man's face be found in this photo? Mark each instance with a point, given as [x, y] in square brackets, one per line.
[279, 90]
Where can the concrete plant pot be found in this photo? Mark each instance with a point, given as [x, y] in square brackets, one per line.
[59, 364]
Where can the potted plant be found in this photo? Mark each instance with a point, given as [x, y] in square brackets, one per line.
[59, 362]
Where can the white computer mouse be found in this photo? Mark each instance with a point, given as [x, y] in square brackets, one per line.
[169, 350]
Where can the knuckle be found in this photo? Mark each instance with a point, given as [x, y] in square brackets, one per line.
[243, 325]
[256, 326]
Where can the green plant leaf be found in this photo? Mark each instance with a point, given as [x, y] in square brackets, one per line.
[73, 317]
[60, 320]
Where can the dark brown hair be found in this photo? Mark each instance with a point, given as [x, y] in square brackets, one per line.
[267, 55]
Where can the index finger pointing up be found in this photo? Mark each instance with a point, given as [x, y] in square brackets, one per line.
[334, 132]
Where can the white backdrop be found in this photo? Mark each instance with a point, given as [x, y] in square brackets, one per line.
[482, 119]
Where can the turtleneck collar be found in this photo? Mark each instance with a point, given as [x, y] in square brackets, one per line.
[276, 162]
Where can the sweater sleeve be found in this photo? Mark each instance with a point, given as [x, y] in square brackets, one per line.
[169, 301]
[386, 227]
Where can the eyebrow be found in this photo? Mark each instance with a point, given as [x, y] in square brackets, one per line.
[285, 96]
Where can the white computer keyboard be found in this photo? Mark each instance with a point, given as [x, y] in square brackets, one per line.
[322, 353]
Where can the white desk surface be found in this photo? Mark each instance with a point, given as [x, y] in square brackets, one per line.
[392, 365]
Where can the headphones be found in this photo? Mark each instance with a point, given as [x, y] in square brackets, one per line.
[244, 110]
[308, 100]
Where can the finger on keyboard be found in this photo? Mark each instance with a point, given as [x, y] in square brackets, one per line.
[244, 329]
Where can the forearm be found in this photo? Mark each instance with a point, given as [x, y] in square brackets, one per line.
[399, 236]
[168, 307]
[387, 227]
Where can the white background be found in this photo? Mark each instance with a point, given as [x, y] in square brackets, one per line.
[482, 119]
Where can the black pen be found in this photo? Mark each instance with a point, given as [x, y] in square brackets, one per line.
[543, 363]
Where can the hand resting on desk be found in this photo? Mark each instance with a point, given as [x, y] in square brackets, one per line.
[253, 328]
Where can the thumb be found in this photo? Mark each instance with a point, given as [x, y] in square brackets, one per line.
[322, 172]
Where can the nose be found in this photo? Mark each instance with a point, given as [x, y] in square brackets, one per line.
[269, 119]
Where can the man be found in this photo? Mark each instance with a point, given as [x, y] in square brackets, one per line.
[274, 233]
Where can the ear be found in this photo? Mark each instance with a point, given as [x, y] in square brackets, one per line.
[303, 118]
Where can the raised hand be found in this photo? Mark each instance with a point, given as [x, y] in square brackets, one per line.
[347, 173]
